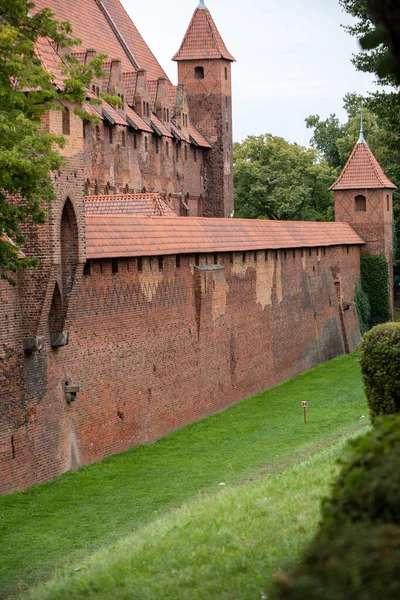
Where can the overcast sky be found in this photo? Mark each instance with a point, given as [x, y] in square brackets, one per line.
[293, 58]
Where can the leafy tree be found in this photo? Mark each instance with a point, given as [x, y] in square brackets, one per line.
[28, 153]
[275, 179]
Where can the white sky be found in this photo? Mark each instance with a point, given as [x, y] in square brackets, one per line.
[293, 58]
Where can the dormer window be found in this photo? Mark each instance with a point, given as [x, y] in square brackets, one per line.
[361, 203]
[199, 72]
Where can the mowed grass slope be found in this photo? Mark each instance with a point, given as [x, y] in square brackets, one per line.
[223, 547]
[60, 523]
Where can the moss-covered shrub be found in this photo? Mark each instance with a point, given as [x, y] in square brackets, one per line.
[361, 563]
[363, 308]
[368, 487]
[380, 367]
[375, 283]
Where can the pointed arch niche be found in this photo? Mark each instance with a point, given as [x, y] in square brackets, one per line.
[69, 251]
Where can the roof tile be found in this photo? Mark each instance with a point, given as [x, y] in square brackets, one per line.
[142, 205]
[362, 171]
[122, 235]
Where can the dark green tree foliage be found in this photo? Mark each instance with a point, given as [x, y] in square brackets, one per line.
[375, 283]
[274, 179]
[363, 308]
[360, 563]
[380, 362]
[356, 553]
[28, 154]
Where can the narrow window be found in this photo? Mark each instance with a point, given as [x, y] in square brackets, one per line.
[144, 109]
[123, 139]
[199, 72]
[361, 203]
[177, 153]
[195, 154]
[227, 126]
[197, 260]
[243, 257]
[324, 251]
[97, 133]
[110, 135]
[114, 266]
[255, 256]
[227, 102]
[165, 114]
[87, 268]
[276, 254]
[348, 249]
[310, 252]
[168, 114]
[266, 255]
[134, 141]
[167, 148]
[226, 73]
[388, 202]
[147, 109]
[294, 253]
[160, 263]
[157, 145]
[84, 129]
[215, 259]
[146, 145]
[186, 153]
[97, 91]
[231, 258]
[66, 124]
[284, 254]
[140, 265]
[178, 261]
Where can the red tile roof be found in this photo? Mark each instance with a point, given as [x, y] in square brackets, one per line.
[122, 235]
[138, 121]
[202, 39]
[91, 25]
[179, 133]
[142, 205]
[51, 61]
[129, 86]
[362, 171]
[197, 137]
[160, 126]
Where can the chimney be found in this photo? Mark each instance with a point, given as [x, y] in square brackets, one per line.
[115, 80]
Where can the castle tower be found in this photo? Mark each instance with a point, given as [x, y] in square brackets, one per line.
[364, 198]
[204, 68]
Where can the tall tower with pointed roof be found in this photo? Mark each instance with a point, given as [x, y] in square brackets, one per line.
[204, 67]
[364, 198]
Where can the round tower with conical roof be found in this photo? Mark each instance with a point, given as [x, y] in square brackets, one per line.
[204, 68]
[364, 198]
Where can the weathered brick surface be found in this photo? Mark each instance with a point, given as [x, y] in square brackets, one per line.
[155, 350]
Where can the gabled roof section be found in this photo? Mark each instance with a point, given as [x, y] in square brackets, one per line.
[139, 205]
[124, 235]
[202, 39]
[105, 26]
[362, 171]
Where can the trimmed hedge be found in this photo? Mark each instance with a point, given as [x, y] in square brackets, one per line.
[380, 367]
[375, 283]
[368, 488]
[363, 308]
[361, 563]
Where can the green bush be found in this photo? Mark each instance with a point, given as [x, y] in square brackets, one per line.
[380, 367]
[363, 308]
[375, 283]
[361, 563]
[368, 488]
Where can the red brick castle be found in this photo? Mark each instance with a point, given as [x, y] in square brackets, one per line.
[151, 308]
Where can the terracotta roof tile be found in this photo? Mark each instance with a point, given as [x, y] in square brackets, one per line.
[51, 61]
[202, 39]
[92, 27]
[179, 133]
[129, 86]
[115, 116]
[115, 236]
[138, 121]
[160, 126]
[362, 171]
[141, 205]
[198, 138]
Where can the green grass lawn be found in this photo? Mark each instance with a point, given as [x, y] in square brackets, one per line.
[222, 547]
[60, 523]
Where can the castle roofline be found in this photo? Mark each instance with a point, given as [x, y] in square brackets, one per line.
[125, 235]
[362, 171]
[202, 40]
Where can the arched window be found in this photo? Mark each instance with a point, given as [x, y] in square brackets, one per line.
[199, 72]
[361, 203]
[69, 251]
[226, 73]
[56, 318]
[66, 123]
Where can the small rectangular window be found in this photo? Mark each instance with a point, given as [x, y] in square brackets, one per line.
[197, 260]
[243, 257]
[123, 139]
[167, 148]
[160, 263]
[310, 252]
[215, 259]
[140, 265]
[66, 122]
[231, 258]
[177, 153]
[157, 145]
[195, 154]
[114, 265]
[135, 141]
[186, 153]
[87, 269]
[255, 256]
[110, 135]
[199, 72]
[178, 261]
[146, 144]
[294, 253]
[226, 73]
[324, 251]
